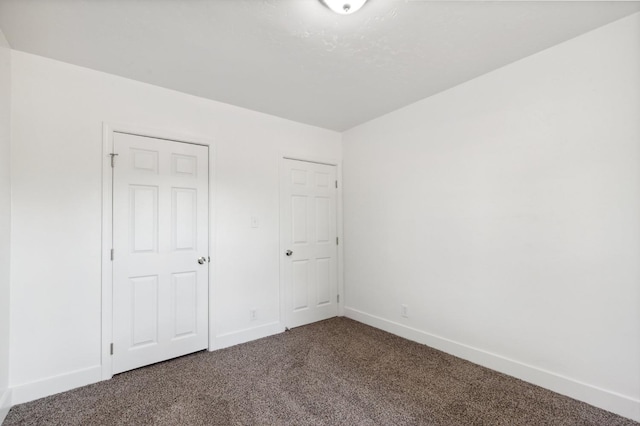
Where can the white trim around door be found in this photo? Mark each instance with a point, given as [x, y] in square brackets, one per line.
[107, 230]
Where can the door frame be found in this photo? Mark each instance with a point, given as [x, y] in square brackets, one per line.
[339, 227]
[108, 130]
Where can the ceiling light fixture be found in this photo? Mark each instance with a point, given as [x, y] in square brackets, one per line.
[344, 7]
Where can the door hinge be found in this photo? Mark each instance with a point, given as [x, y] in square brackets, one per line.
[113, 159]
[338, 298]
[337, 241]
[111, 349]
[336, 184]
[111, 254]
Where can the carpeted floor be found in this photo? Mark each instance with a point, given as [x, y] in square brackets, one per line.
[336, 372]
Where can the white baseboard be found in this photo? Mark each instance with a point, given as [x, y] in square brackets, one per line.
[246, 335]
[55, 384]
[64, 382]
[5, 404]
[601, 398]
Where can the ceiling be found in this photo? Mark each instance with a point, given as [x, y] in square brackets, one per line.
[295, 58]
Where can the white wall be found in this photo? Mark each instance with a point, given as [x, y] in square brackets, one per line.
[5, 218]
[505, 213]
[58, 110]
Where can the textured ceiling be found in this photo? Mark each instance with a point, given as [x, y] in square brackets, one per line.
[295, 58]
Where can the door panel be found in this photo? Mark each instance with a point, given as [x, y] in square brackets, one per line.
[300, 284]
[143, 210]
[144, 306]
[323, 220]
[184, 214]
[323, 280]
[185, 303]
[309, 231]
[160, 229]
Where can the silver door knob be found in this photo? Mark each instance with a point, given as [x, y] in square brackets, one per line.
[202, 260]
[288, 252]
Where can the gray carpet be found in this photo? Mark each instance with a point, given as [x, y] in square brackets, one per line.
[336, 372]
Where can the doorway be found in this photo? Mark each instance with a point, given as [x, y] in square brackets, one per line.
[309, 241]
[160, 250]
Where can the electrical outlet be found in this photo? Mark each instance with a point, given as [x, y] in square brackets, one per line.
[404, 311]
[253, 315]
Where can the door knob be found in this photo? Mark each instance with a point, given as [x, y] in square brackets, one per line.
[202, 260]
[288, 252]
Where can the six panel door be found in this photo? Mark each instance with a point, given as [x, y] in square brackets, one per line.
[160, 231]
[310, 242]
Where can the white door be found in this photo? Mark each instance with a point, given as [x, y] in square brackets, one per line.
[309, 242]
[160, 242]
